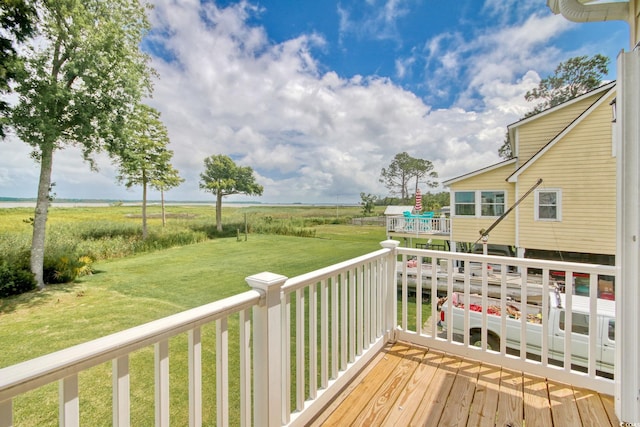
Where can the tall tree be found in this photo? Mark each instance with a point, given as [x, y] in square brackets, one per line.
[16, 18]
[222, 177]
[368, 203]
[423, 173]
[169, 178]
[434, 202]
[505, 151]
[405, 168]
[571, 78]
[145, 159]
[84, 75]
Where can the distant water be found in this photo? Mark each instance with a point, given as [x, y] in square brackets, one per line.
[97, 204]
[5, 203]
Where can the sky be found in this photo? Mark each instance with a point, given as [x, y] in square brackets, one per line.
[318, 96]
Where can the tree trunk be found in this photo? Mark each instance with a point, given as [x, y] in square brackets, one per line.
[164, 219]
[219, 212]
[40, 215]
[144, 207]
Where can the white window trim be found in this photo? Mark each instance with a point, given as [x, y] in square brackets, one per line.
[478, 203]
[455, 204]
[536, 209]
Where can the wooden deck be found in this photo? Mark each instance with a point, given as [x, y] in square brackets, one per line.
[407, 385]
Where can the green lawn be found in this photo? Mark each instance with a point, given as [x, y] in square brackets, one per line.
[131, 291]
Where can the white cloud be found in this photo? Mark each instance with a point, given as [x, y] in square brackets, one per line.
[375, 20]
[312, 135]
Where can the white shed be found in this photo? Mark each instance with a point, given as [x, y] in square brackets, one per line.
[397, 210]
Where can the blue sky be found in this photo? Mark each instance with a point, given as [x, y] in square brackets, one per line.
[318, 96]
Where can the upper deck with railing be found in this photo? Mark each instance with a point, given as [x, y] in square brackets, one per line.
[287, 347]
[417, 226]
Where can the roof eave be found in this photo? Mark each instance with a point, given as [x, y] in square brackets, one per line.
[478, 172]
[605, 87]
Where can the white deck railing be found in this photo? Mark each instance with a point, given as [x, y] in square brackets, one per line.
[436, 273]
[300, 341]
[418, 226]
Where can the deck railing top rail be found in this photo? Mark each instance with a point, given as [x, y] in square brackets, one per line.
[304, 279]
[55, 366]
[513, 261]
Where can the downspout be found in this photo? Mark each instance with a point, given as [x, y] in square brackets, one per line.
[576, 11]
[634, 12]
[583, 11]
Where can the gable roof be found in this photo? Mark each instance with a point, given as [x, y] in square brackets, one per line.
[514, 176]
[604, 88]
[511, 128]
[478, 172]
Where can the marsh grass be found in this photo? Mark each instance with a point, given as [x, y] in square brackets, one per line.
[77, 237]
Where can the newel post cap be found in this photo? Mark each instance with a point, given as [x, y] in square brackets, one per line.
[266, 281]
[390, 244]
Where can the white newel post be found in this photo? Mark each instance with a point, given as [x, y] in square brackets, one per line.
[391, 306]
[627, 373]
[267, 352]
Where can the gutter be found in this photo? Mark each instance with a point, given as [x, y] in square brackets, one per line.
[590, 11]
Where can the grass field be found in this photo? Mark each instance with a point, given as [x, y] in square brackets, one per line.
[132, 290]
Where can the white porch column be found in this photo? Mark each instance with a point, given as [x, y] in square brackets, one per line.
[267, 353]
[627, 367]
[391, 305]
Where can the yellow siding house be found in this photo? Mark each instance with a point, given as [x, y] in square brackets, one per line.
[571, 214]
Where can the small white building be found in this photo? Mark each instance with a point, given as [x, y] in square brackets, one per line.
[397, 210]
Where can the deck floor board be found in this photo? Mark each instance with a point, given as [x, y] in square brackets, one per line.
[407, 385]
[359, 397]
[410, 398]
[383, 400]
[485, 401]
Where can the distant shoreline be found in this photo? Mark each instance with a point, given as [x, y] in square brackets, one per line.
[4, 203]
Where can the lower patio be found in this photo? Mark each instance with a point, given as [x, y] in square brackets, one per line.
[410, 385]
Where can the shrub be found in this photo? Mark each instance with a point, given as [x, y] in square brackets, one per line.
[87, 266]
[210, 231]
[283, 228]
[168, 239]
[61, 267]
[15, 280]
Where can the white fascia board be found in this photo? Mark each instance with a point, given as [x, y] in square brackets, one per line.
[478, 172]
[548, 111]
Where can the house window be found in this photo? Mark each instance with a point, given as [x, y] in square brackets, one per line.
[491, 203]
[612, 330]
[548, 206]
[465, 203]
[480, 203]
